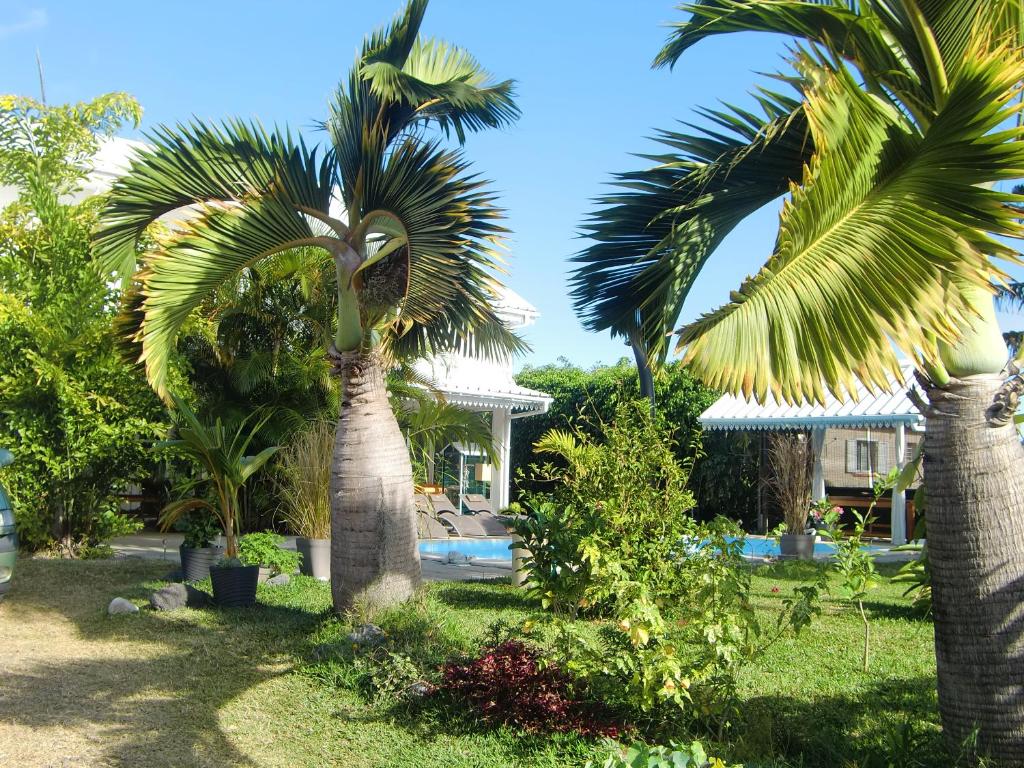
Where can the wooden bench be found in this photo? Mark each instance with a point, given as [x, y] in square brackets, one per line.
[882, 526]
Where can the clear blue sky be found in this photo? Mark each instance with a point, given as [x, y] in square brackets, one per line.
[588, 95]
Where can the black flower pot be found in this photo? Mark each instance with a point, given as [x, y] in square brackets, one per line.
[235, 587]
[196, 561]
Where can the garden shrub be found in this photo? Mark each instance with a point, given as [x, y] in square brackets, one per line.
[642, 755]
[614, 536]
[510, 684]
[264, 549]
[616, 509]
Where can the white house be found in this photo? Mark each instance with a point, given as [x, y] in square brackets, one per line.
[854, 441]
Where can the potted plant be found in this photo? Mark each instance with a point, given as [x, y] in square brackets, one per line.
[305, 478]
[264, 551]
[789, 457]
[197, 551]
[234, 583]
[221, 453]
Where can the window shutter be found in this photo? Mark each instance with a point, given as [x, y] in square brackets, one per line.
[883, 457]
[851, 456]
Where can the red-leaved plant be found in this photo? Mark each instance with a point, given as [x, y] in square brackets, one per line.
[508, 685]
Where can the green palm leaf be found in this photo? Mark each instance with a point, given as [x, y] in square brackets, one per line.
[656, 232]
[874, 243]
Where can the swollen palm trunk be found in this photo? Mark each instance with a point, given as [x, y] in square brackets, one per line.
[374, 557]
[975, 515]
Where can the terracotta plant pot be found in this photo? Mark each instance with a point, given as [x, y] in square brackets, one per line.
[196, 561]
[797, 546]
[316, 557]
[235, 587]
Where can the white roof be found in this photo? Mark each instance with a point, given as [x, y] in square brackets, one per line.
[883, 409]
[480, 384]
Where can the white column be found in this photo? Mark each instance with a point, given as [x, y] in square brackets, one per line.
[818, 474]
[898, 522]
[501, 435]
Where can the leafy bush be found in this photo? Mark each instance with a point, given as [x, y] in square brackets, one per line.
[615, 536]
[200, 528]
[617, 510]
[641, 755]
[264, 549]
[509, 684]
[76, 414]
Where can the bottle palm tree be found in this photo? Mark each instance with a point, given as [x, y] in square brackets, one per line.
[891, 156]
[412, 250]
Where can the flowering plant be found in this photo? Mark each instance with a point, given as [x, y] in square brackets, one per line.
[824, 513]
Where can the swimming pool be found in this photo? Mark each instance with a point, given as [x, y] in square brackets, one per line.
[482, 549]
[497, 548]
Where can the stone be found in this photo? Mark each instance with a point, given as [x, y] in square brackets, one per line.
[280, 580]
[121, 606]
[367, 634]
[169, 598]
[421, 689]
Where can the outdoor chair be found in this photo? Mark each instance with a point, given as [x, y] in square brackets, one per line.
[422, 504]
[491, 524]
[463, 525]
[477, 502]
[431, 528]
[441, 503]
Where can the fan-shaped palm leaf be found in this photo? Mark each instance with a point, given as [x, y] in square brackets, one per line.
[881, 212]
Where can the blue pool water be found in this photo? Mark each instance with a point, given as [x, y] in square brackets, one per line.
[483, 549]
[497, 549]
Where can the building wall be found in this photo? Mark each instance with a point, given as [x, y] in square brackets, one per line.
[853, 458]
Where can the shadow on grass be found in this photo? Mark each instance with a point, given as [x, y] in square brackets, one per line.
[891, 723]
[482, 595]
[145, 689]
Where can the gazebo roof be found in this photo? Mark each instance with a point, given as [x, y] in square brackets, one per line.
[878, 409]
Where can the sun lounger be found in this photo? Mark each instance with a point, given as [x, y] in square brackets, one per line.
[422, 504]
[462, 525]
[431, 528]
[477, 502]
[492, 525]
[441, 503]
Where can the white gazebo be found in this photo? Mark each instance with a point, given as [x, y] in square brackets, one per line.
[488, 385]
[891, 411]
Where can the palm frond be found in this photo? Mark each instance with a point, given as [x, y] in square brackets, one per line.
[656, 232]
[198, 163]
[875, 36]
[452, 228]
[195, 261]
[887, 222]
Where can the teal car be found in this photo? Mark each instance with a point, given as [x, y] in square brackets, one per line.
[8, 536]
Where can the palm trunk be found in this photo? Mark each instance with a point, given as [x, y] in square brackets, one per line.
[646, 376]
[374, 557]
[976, 550]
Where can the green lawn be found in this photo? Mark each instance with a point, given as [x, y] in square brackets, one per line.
[276, 685]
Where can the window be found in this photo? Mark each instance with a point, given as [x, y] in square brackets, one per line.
[867, 456]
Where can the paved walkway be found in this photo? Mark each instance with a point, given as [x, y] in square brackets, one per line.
[164, 546]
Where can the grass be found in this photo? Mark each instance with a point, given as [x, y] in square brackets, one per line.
[278, 686]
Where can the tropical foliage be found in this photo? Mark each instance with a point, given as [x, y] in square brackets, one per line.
[411, 245]
[75, 414]
[723, 477]
[893, 146]
[221, 453]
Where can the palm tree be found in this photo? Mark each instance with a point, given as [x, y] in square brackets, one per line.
[223, 455]
[412, 251]
[891, 156]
